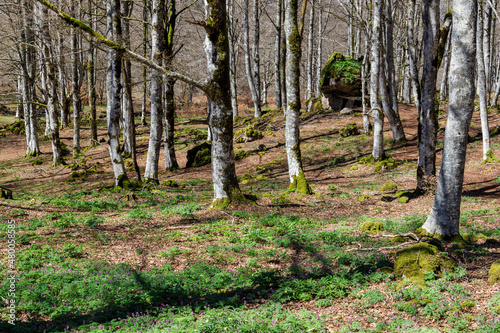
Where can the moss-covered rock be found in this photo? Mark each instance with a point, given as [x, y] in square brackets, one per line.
[403, 199]
[170, 183]
[476, 237]
[341, 68]
[16, 127]
[37, 162]
[247, 134]
[350, 129]
[199, 155]
[412, 262]
[240, 154]
[467, 305]
[494, 273]
[372, 228]
[389, 186]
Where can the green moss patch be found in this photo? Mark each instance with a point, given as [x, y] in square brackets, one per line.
[16, 127]
[199, 155]
[494, 273]
[490, 158]
[170, 183]
[247, 134]
[350, 129]
[414, 261]
[372, 228]
[240, 154]
[389, 186]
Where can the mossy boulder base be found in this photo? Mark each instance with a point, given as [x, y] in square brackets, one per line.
[414, 261]
[199, 155]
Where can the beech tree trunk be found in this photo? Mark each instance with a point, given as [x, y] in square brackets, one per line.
[127, 101]
[248, 63]
[298, 181]
[412, 56]
[76, 83]
[51, 85]
[443, 91]
[445, 214]
[481, 82]
[277, 56]
[91, 83]
[256, 56]
[377, 114]
[145, 28]
[310, 56]
[319, 50]
[28, 57]
[428, 125]
[157, 35]
[232, 57]
[113, 90]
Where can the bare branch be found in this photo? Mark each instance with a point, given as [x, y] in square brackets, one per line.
[112, 44]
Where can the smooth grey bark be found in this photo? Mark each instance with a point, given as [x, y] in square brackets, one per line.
[277, 56]
[63, 90]
[443, 91]
[256, 56]
[481, 82]
[113, 90]
[76, 84]
[298, 181]
[51, 85]
[28, 61]
[319, 50]
[91, 82]
[248, 63]
[145, 28]
[283, 70]
[232, 57]
[19, 108]
[310, 56]
[428, 124]
[487, 39]
[367, 126]
[444, 217]
[376, 110]
[157, 35]
[412, 56]
[127, 101]
[406, 84]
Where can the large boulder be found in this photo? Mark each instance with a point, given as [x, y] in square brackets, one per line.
[340, 82]
[199, 155]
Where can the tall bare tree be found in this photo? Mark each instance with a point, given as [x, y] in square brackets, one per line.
[445, 214]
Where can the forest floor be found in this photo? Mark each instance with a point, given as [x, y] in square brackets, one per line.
[92, 258]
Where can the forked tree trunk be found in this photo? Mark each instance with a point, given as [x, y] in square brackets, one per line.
[481, 82]
[157, 35]
[298, 180]
[445, 214]
[113, 89]
[428, 125]
[377, 114]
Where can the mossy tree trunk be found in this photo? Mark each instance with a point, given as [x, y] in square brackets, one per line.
[51, 85]
[170, 21]
[298, 181]
[113, 90]
[376, 109]
[445, 214]
[428, 125]
[226, 188]
[157, 36]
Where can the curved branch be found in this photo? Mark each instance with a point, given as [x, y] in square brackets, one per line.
[112, 44]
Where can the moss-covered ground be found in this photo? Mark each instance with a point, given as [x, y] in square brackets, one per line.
[91, 258]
